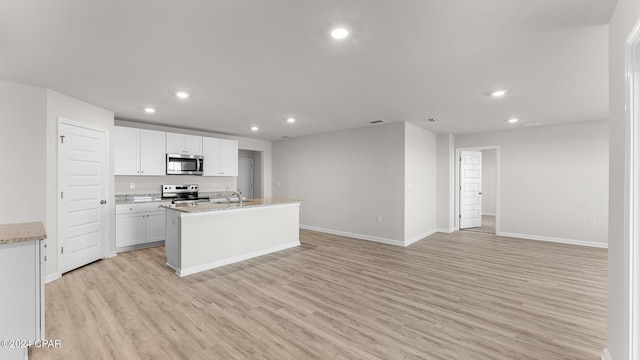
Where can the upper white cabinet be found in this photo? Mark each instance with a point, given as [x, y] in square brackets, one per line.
[139, 152]
[184, 144]
[220, 157]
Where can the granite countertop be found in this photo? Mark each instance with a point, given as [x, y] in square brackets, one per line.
[122, 199]
[249, 203]
[138, 198]
[12, 233]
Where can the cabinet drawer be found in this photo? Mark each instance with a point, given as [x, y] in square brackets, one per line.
[130, 208]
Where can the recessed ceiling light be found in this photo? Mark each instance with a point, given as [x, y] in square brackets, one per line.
[255, 128]
[291, 120]
[498, 93]
[512, 120]
[149, 110]
[339, 33]
[182, 94]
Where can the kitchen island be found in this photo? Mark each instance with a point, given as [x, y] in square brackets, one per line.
[203, 236]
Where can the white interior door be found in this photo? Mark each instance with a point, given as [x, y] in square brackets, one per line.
[470, 189]
[82, 182]
[245, 177]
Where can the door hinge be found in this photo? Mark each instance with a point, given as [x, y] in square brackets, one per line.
[61, 194]
[62, 250]
[62, 139]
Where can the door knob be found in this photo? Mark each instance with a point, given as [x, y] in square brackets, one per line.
[102, 202]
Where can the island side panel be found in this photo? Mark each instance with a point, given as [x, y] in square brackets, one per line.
[172, 241]
[216, 238]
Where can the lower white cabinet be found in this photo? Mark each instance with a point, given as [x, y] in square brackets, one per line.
[139, 225]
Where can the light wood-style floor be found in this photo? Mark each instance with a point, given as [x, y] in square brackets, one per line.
[488, 225]
[463, 296]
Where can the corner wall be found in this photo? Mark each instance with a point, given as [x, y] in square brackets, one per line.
[375, 183]
[420, 184]
[23, 145]
[445, 179]
[624, 17]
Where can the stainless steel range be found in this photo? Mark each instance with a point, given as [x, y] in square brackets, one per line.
[182, 194]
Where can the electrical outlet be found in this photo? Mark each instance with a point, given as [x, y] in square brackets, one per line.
[593, 222]
[132, 186]
[379, 219]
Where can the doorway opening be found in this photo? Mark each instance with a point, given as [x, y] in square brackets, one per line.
[477, 204]
[250, 173]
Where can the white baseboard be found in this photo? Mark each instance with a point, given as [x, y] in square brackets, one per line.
[489, 214]
[369, 237]
[446, 231]
[52, 277]
[354, 235]
[606, 355]
[554, 239]
[111, 254]
[419, 237]
[215, 264]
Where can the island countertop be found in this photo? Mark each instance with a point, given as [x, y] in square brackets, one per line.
[11, 233]
[249, 203]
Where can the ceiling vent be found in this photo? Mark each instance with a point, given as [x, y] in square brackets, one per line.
[376, 121]
[433, 120]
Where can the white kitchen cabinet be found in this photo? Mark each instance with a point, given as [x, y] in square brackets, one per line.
[220, 157]
[139, 152]
[139, 225]
[184, 144]
[130, 229]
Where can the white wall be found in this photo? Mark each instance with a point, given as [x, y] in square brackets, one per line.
[152, 184]
[445, 172]
[23, 149]
[350, 178]
[347, 178]
[59, 105]
[554, 181]
[626, 14]
[420, 183]
[489, 182]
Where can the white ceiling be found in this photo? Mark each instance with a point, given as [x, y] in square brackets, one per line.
[255, 62]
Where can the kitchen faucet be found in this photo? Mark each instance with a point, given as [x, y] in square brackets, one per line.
[237, 194]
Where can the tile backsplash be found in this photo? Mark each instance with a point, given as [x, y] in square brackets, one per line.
[153, 184]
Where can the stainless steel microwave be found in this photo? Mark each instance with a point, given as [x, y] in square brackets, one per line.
[181, 164]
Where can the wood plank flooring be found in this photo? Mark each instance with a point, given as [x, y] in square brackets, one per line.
[463, 295]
